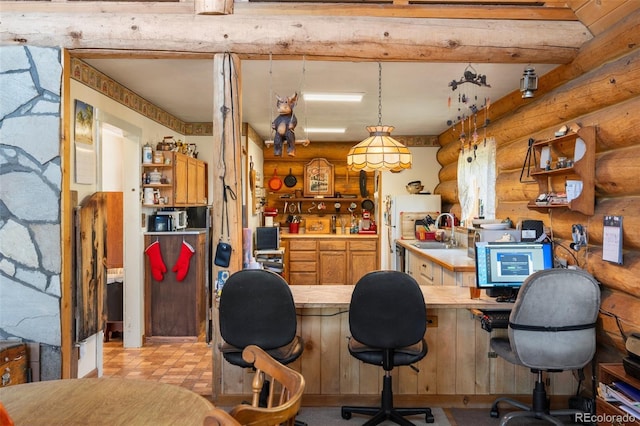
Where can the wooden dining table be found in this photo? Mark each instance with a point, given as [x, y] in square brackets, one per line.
[103, 401]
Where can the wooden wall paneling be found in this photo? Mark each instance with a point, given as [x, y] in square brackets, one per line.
[427, 377]
[482, 363]
[330, 350]
[465, 368]
[504, 377]
[349, 366]
[523, 380]
[446, 349]
[312, 361]
[370, 379]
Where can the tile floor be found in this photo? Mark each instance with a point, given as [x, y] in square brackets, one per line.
[183, 364]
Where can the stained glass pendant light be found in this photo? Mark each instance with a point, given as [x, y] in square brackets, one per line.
[379, 151]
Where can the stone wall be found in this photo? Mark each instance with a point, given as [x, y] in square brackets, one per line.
[30, 188]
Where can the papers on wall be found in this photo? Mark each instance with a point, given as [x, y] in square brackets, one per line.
[612, 239]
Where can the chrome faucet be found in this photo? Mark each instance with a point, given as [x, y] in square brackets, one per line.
[453, 226]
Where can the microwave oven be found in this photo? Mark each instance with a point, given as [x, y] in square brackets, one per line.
[169, 221]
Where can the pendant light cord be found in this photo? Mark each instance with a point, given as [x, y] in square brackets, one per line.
[379, 93]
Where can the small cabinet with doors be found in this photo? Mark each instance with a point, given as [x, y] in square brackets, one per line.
[565, 172]
[178, 180]
[329, 261]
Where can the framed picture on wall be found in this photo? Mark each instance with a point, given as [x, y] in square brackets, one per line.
[318, 178]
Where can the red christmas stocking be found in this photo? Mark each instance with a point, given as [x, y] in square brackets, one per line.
[158, 267]
[181, 268]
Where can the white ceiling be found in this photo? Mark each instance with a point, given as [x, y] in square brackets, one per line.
[414, 95]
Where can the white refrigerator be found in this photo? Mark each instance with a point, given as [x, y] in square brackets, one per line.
[394, 207]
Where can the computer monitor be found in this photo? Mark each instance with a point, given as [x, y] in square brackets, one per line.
[501, 268]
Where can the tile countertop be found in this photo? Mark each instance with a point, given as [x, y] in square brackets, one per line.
[454, 259]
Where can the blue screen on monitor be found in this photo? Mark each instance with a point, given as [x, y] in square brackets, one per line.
[507, 265]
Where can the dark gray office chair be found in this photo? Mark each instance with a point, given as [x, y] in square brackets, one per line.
[257, 308]
[387, 320]
[551, 329]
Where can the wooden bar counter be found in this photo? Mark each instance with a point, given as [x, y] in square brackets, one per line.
[458, 371]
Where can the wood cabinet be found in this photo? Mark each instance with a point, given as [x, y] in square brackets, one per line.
[608, 413]
[184, 180]
[176, 310]
[576, 179]
[324, 261]
[428, 272]
[424, 271]
[13, 363]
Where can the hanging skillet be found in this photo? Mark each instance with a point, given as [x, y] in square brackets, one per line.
[290, 180]
[275, 183]
[367, 205]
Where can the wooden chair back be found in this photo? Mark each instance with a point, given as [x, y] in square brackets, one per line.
[283, 402]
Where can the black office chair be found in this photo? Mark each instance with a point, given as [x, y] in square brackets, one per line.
[551, 329]
[257, 308]
[387, 320]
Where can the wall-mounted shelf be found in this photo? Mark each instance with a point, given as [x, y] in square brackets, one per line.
[579, 148]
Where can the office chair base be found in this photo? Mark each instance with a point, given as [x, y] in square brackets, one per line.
[539, 409]
[386, 411]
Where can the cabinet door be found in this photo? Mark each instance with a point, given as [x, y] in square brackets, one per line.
[427, 272]
[361, 262]
[192, 173]
[332, 267]
[201, 182]
[363, 258]
[180, 179]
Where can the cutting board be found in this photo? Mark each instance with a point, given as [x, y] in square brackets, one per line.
[408, 223]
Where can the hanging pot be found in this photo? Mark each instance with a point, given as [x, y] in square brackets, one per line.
[290, 180]
[275, 183]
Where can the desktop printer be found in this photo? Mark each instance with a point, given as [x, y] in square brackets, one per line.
[632, 362]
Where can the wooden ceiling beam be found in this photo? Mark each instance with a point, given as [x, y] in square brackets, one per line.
[408, 9]
[347, 38]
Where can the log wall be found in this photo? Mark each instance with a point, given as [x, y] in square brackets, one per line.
[605, 94]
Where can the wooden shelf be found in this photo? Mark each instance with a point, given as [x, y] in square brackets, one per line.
[607, 374]
[582, 169]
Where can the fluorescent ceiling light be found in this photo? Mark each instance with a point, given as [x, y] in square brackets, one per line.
[333, 97]
[325, 129]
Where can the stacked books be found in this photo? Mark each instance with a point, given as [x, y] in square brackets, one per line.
[626, 396]
[271, 260]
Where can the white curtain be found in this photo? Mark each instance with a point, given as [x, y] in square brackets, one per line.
[477, 181]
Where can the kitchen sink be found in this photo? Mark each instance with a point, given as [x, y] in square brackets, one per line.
[431, 245]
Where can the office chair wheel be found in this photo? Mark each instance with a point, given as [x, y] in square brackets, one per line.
[429, 418]
[494, 413]
[346, 414]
